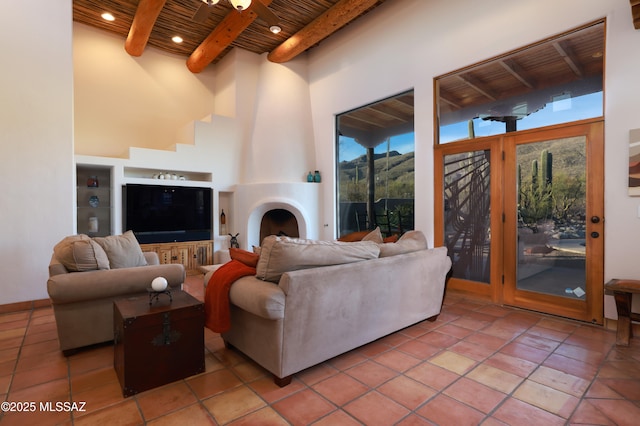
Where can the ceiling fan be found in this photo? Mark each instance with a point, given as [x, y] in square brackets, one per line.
[260, 9]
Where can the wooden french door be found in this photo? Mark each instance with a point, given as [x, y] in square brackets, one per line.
[522, 217]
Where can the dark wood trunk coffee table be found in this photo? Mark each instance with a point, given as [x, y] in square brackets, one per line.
[157, 343]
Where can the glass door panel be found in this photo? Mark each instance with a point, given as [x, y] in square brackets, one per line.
[554, 205]
[467, 214]
[551, 194]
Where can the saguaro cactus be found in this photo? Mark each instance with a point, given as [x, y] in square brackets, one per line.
[536, 200]
[546, 169]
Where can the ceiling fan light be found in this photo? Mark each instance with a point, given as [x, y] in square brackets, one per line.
[240, 4]
[275, 29]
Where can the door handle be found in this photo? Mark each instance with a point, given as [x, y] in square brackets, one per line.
[595, 235]
[595, 219]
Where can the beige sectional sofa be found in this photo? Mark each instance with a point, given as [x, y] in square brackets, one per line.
[87, 274]
[296, 313]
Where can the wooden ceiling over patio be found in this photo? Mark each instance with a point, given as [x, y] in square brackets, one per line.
[578, 55]
[304, 23]
[395, 112]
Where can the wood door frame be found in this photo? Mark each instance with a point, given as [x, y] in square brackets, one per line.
[592, 308]
[494, 144]
[503, 264]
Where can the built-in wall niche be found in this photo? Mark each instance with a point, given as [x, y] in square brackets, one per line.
[166, 176]
[93, 200]
[225, 223]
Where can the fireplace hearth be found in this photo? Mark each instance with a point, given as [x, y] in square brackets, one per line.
[287, 208]
[279, 222]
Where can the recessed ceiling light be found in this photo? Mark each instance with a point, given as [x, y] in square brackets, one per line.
[108, 17]
[176, 39]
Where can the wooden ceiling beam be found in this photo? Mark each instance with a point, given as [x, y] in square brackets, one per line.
[635, 13]
[222, 36]
[511, 67]
[320, 28]
[475, 85]
[388, 111]
[449, 102]
[366, 120]
[564, 51]
[145, 18]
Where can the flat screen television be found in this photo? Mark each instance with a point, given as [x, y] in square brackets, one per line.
[162, 214]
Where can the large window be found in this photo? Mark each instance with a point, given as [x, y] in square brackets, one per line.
[375, 167]
[519, 175]
[552, 82]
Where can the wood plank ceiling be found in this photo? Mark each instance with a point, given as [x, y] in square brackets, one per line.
[395, 112]
[304, 24]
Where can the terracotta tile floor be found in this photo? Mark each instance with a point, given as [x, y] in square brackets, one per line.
[477, 364]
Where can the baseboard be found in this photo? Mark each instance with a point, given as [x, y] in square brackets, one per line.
[24, 306]
[611, 324]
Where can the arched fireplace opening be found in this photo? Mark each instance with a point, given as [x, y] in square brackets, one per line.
[279, 222]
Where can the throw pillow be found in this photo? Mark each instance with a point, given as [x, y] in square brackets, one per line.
[354, 236]
[390, 239]
[284, 254]
[375, 236]
[243, 256]
[408, 242]
[123, 250]
[79, 253]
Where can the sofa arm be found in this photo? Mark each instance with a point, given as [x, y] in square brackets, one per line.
[262, 298]
[91, 285]
[151, 257]
[56, 268]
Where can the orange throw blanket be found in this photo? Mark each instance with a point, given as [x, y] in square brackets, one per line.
[217, 310]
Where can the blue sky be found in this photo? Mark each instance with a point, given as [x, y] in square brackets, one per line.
[581, 107]
[350, 149]
[565, 111]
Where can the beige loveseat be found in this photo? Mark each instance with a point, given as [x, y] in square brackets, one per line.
[87, 274]
[305, 313]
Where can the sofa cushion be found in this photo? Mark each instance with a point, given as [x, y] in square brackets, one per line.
[80, 253]
[123, 250]
[246, 257]
[284, 254]
[408, 242]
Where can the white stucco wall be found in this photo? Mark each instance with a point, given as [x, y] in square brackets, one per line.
[281, 146]
[123, 101]
[376, 58]
[36, 143]
[401, 45]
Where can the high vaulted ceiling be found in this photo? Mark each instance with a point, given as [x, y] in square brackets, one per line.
[304, 23]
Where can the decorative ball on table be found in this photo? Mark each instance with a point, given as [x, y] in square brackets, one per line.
[159, 285]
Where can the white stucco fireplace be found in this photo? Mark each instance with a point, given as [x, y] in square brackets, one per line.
[253, 201]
